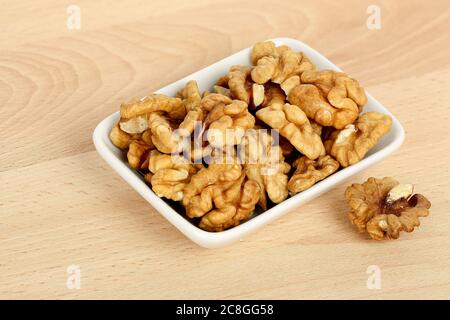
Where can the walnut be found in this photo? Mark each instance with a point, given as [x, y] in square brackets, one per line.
[292, 123]
[169, 174]
[222, 90]
[227, 123]
[277, 63]
[120, 138]
[352, 143]
[154, 102]
[190, 95]
[276, 68]
[290, 83]
[221, 195]
[383, 207]
[330, 98]
[337, 86]
[263, 49]
[162, 129]
[308, 172]
[304, 64]
[237, 82]
[264, 163]
[137, 154]
[265, 69]
[191, 98]
[233, 203]
[273, 94]
[258, 94]
[214, 174]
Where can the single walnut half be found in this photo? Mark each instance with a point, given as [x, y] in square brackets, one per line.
[169, 174]
[228, 204]
[220, 195]
[154, 102]
[237, 82]
[352, 143]
[214, 174]
[137, 154]
[383, 207]
[227, 124]
[120, 138]
[264, 163]
[308, 172]
[277, 63]
[162, 131]
[292, 123]
[330, 98]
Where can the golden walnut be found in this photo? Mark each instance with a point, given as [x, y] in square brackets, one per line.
[264, 163]
[383, 207]
[277, 63]
[330, 98]
[227, 123]
[221, 196]
[154, 102]
[237, 82]
[292, 123]
[230, 203]
[308, 172]
[169, 174]
[351, 144]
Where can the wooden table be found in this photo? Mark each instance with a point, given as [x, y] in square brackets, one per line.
[61, 205]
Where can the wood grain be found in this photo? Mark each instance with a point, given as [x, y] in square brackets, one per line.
[61, 205]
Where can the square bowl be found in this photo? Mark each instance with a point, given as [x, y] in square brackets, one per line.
[206, 79]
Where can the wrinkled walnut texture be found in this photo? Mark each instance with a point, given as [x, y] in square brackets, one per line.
[308, 172]
[371, 213]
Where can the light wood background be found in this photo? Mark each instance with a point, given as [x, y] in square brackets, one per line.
[61, 205]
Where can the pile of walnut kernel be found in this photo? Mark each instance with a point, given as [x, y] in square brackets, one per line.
[317, 113]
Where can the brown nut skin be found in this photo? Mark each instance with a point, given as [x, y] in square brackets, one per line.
[263, 49]
[370, 213]
[308, 172]
[350, 148]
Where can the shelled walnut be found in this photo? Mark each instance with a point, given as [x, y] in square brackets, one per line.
[351, 144]
[330, 98]
[308, 172]
[383, 207]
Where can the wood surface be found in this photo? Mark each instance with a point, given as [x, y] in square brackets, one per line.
[62, 205]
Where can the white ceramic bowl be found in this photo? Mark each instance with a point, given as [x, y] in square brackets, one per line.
[205, 79]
